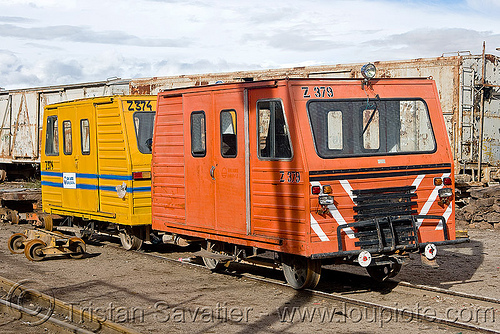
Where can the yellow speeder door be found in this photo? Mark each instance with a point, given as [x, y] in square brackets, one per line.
[78, 158]
[86, 159]
[67, 119]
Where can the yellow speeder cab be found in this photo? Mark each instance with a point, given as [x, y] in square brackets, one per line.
[96, 165]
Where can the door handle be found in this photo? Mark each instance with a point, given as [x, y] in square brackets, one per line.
[212, 174]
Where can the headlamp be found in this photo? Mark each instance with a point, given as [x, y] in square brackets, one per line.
[445, 192]
[368, 71]
[325, 200]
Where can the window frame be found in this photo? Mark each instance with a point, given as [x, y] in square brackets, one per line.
[54, 139]
[67, 121]
[193, 153]
[235, 133]
[136, 129]
[370, 152]
[258, 133]
[81, 136]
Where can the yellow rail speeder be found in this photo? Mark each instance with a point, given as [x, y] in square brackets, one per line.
[96, 165]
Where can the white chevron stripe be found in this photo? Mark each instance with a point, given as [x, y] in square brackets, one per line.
[417, 181]
[317, 229]
[348, 189]
[446, 216]
[430, 201]
[340, 220]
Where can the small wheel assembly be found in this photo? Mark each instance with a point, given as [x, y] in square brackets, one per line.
[34, 250]
[48, 223]
[16, 243]
[77, 248]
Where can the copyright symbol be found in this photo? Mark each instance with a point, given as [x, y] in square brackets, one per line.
[25, 296]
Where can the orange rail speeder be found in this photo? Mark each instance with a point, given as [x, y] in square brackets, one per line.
[311, 171]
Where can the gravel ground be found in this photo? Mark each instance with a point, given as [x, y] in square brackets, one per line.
[150, 294]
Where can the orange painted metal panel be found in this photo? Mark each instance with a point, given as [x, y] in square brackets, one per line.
[275, 194]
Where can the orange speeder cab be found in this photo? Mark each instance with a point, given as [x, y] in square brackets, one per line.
[315, 170]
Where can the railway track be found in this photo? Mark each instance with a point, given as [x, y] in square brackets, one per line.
[355, 297]
[34, 308]
[445, 297]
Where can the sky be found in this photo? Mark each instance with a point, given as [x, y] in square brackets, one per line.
[58, 42]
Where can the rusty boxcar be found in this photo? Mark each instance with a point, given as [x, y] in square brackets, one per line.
[313, 171]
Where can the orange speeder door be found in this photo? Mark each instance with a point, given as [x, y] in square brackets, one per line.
[199, 160]
[229, 162]
[276, 171]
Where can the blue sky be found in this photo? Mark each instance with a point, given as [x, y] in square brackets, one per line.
[52, 42]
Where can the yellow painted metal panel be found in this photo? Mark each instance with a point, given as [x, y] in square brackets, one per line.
[98, 184]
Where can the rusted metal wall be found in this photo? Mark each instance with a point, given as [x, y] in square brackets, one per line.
[21, 115]
[458, 80]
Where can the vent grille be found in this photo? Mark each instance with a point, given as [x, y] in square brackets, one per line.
[386, 233]
[384, 217]
[384, 202]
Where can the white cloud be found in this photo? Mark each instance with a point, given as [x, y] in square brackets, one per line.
[50, 42]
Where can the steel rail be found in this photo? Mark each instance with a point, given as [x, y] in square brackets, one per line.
[448, 292]
[58, 323]
[362, 303]
[104, 326]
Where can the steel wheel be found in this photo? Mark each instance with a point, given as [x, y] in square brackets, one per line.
[77, 246]
[130, 241]
[381, 273]
[48, 223]
[213, 264]
[301, 272]
[34, 250]
[16, 243]
[14, 217]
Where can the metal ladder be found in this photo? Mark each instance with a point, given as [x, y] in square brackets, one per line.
[467, 114]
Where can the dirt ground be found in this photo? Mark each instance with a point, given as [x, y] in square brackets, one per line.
[150, 294]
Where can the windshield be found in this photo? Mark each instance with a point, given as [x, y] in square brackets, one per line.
[375, 127]
[144, 124]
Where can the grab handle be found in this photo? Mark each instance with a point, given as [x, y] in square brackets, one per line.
[212, 174]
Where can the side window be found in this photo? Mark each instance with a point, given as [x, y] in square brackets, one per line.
[144, 126]
[67, 144]
[85, 136]
[198, 134]
[228, 143]
[52, 136]
[273, 136]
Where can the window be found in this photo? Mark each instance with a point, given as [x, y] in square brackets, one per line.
[371, 129]
[387, 126]
[85, 136]
[52, 136]
[416, 130]
[198, 134]
[335, 130]
[274, 140]
[144, 126]
[228, 143]
[67, 144]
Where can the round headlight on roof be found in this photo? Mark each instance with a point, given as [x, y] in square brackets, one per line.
[368, 71]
